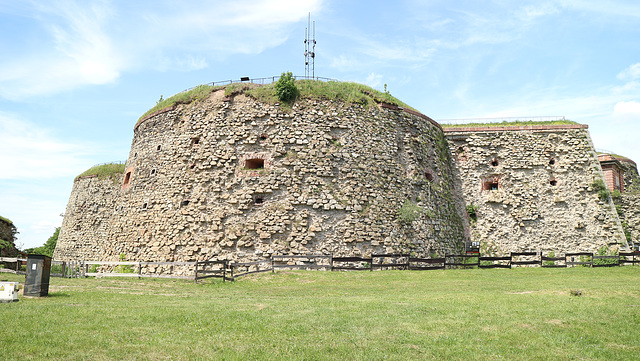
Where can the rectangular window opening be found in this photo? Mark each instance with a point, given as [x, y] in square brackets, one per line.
[490, 185]
[254, 163]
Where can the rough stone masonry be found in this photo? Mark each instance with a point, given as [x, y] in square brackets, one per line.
[234, 178]
[533, 189]
[237, 179]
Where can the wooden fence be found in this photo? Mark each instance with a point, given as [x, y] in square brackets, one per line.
[226, 270]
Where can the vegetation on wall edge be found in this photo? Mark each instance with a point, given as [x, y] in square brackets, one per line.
[103, 171]
[515, 123]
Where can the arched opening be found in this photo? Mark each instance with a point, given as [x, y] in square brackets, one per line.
[127, 179]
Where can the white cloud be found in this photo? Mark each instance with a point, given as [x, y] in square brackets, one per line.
[614, 8]
[627, 111]
[29, 151]
[76, 43]
[538, 10]
[75, 50]
[630, 73]
[373, 80]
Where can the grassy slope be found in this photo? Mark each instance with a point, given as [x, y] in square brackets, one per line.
[104, 170]
[348, 92]
[6, 220]
[518, 314]
[185, 97]
[510, 124]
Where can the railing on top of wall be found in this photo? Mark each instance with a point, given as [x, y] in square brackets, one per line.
[261, 81]
[499, 120]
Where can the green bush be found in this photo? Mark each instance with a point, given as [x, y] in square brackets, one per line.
[48, 248]
[123, 268]
[550, 263]
[472, 211]
[286, 89]
[602, 190]
[605, 251]
[56, 268]
[409, 212]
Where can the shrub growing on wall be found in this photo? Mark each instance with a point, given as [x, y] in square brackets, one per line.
[286, 89]
[409, 212]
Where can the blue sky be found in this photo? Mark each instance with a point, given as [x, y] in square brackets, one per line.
[76, 75]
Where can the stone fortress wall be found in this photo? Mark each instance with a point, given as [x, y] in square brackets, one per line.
[532, 189]
[88, 218]
[233, 178]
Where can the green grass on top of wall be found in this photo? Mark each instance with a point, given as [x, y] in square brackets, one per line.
[514, 123]
[6, 220]
[104, 170]
[351, 93]
[186, 97]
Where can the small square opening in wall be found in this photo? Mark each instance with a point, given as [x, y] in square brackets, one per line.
[461, 153]
[553, 182]
[494, 162]
[262, 137]
[153, 172]
[159, 147]
[552, 161]
[195, 141]
[145, 205]
[256, 163]
[258, 200]
[429, 176]
[491, 185]
[184, 203]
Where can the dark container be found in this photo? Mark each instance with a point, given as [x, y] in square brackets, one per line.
[36, 282]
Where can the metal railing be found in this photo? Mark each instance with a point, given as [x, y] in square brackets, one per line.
[114, 162]
[260, 81]
[499, 120]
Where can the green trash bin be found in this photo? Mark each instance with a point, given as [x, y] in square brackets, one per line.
[36, 282]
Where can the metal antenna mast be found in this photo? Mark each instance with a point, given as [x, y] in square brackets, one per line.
[310, 49]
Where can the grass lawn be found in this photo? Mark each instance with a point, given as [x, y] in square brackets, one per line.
[519, 314]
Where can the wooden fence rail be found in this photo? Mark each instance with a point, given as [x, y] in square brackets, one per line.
[301, 261]
[211, 269]
[398, 261]
[351, 264]
[230, 271]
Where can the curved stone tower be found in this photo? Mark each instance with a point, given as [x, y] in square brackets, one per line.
[230, 177]
[88, 218]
